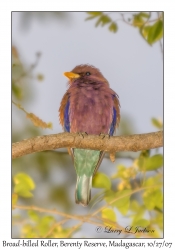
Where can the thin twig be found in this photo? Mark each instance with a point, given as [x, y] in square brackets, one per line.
[161, 47]
[19, 106]
[31, 68]
[124, 20]
[54, 226]
[123, 196]
[44, 210]
[74, 228]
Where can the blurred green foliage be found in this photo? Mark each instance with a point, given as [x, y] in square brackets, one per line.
[23, 184]
[108, 213]
[32, 172]
[102, 19]
[101, 180]
[41, 226]
[136, 196]
[27, 17]
[150, 28]
[157, 123]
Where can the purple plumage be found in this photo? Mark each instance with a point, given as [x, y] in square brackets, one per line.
[90, 106]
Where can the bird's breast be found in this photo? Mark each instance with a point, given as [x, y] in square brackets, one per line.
[91, 109]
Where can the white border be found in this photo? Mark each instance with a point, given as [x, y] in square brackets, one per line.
[5, 93]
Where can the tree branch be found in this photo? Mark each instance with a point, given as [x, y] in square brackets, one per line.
[113, 144]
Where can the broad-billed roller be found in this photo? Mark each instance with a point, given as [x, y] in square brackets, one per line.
[88, 106]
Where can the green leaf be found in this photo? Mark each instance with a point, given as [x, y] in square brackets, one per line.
[100, 180]
[154, 162]
[142, 160]
[14, 199]
[113, 27]
[140, 19]
[18, 71]
[157, 123]
[29, 231]
[121, 169]
[139, 213]
[23, 185]
[144, 30]
[104, 19]
[137, 21]
[17, 91]
[158, 220]
[155, 32]
[153, 198]
[60, 232]
[93, 14]
[109, 214]
[141, 223]
[45, 224]
[159, 198]
[150, 163]
[134, 205]
[151, 181]
[33, 215]
[145, 153]
[144, 14]
[122, 203]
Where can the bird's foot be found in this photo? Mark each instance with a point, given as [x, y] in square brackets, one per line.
[102, 136]
[83, 134]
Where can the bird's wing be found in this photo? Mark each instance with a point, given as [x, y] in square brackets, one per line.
[116, 115]
[64, 116]
[64, 113]
[117, 107]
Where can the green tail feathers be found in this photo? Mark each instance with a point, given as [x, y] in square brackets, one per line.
[86, 162]
[83, 190]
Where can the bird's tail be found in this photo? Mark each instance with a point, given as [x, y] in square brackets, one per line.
[83, 190]
[86, 163]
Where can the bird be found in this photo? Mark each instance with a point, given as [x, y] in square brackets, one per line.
[89, 106]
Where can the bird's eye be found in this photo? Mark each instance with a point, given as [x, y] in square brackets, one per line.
[88, 73]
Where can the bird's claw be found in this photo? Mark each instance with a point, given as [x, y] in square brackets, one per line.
[104, 135]
[83, 134]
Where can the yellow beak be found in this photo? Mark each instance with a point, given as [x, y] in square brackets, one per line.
[71, 75]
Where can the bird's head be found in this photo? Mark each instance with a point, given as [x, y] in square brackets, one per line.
[87, 73]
